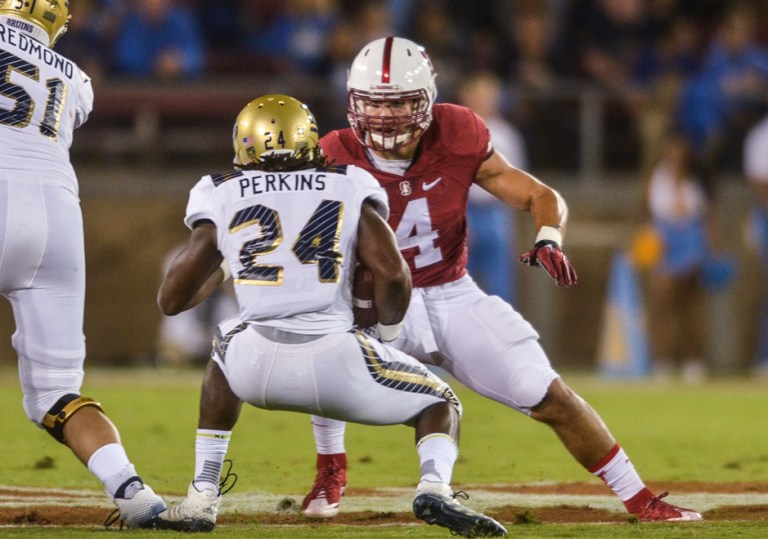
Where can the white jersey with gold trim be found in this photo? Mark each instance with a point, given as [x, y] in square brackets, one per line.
[290, 239]
[44, 97]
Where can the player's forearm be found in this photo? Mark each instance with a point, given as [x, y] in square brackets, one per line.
[548, 208]
[183, 289]
[208, 288]
[392, 296]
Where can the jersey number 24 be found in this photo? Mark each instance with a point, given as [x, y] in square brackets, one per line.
[316, 243]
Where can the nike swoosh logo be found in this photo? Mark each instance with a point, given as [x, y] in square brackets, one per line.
[430, 185]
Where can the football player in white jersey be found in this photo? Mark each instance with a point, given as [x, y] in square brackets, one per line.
[44, 97]
[290, 230]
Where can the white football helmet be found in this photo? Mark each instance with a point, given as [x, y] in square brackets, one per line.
[395, 72]
[44, 20]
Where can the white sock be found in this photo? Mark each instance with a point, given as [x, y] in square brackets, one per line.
[438, 454]
[329, 435]
[111, 465]
[616, 471]
[210, 451]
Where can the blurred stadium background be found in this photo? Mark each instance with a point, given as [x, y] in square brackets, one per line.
[591, 84]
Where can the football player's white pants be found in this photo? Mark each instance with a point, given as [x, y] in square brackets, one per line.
[346, 376]
[481, 340]
[42, 273]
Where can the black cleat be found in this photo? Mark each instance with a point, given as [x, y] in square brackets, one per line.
[446, 511]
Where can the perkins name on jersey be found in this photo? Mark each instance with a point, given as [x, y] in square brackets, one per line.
[269, 183]
[31, 46]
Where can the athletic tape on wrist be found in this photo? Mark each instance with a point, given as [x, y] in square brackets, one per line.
[549, 233]
[389, 333]
[362, 303]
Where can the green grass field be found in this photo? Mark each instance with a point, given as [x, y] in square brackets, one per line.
[716, 432]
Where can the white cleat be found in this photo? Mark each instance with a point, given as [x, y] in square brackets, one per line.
[141, 510]
[195, 513]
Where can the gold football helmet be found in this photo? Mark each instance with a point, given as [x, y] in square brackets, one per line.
[273, 124]
[51, 16]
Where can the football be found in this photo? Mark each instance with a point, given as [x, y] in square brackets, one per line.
[363, 307]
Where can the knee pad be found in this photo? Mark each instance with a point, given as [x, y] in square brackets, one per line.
[64, 409]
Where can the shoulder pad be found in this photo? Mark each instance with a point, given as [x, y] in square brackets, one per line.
[83, 75]
[460, 130]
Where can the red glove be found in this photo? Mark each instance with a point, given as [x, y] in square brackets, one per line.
[547, 254]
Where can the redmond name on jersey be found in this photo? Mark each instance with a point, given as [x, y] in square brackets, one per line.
[29, 45]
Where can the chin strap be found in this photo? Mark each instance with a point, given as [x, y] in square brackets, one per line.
[64, 409]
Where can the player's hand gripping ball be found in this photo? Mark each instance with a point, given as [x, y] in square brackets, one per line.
[363, 307]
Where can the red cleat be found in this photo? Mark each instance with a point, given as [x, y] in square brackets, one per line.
[324, 499]
[655, 510]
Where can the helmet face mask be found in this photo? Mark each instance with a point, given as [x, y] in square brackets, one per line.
[49, 17]
[386, 123]
[391, 90]
[272, 125]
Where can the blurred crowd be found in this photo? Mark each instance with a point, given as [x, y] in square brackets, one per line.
[700, 66]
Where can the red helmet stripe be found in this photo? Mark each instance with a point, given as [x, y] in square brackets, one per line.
[387, 60]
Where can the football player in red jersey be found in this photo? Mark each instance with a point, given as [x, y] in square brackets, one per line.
[426, 156]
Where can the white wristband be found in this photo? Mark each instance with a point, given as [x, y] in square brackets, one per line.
[226, 269]
[362, 303]
[549, 233]
[389, 333]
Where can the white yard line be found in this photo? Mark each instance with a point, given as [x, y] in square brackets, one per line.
[381, 500]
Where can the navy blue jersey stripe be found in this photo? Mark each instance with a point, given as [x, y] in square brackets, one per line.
[220, 177]
[220, 342]
[402, 376]
[333, 169]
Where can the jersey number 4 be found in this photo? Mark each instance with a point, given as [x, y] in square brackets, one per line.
[414, 231]
[23, 106]
[317, 243]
